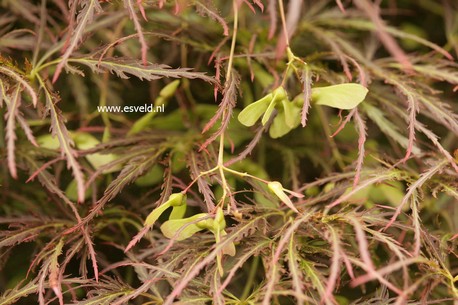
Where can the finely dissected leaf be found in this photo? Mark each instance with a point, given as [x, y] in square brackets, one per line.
[85, 17]
[335, 266]
[380, 177]
[316, 256]
[136, 167]
[129, 5]
[359, 23]
[343, 96]
[306, 79]
[254, 111]
[413, 110]
[196, 268]
[27, 130]
[11, 296]
[373, 12]
[11, 116]
[17, 39]
[103, 298]
[105, 293]
[282, 244]
[366, 257]
[25, 234]
[440, 112]
[204, 187]
[314, 275]
[48, 181]
[361, 129]
[249, 148]
[13, 105]
[125, 67]
[54, 271]
[225, 109]
[377, 116]
[414, 187]
[207, 9]
[60, 131]
[416, 223]
[294, 269]
[428, 133]
[4, 69]
[250, 252]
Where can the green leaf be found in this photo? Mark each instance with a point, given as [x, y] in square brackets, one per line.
[85, 141]
[343, 96]
[48, 141]
[391, 192]
[152, 177]
[253, 112]
[72, 191]
[264, 78]
[182, 228]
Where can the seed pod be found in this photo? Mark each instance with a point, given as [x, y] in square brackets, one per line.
[278, 190]
[253, 112]
[220, 221]
[169, 90]
[279, 94]
[206, 224]
[177, 199]
[343, 96]
[181, 229]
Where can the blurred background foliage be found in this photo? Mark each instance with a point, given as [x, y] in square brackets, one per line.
[378, 222]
